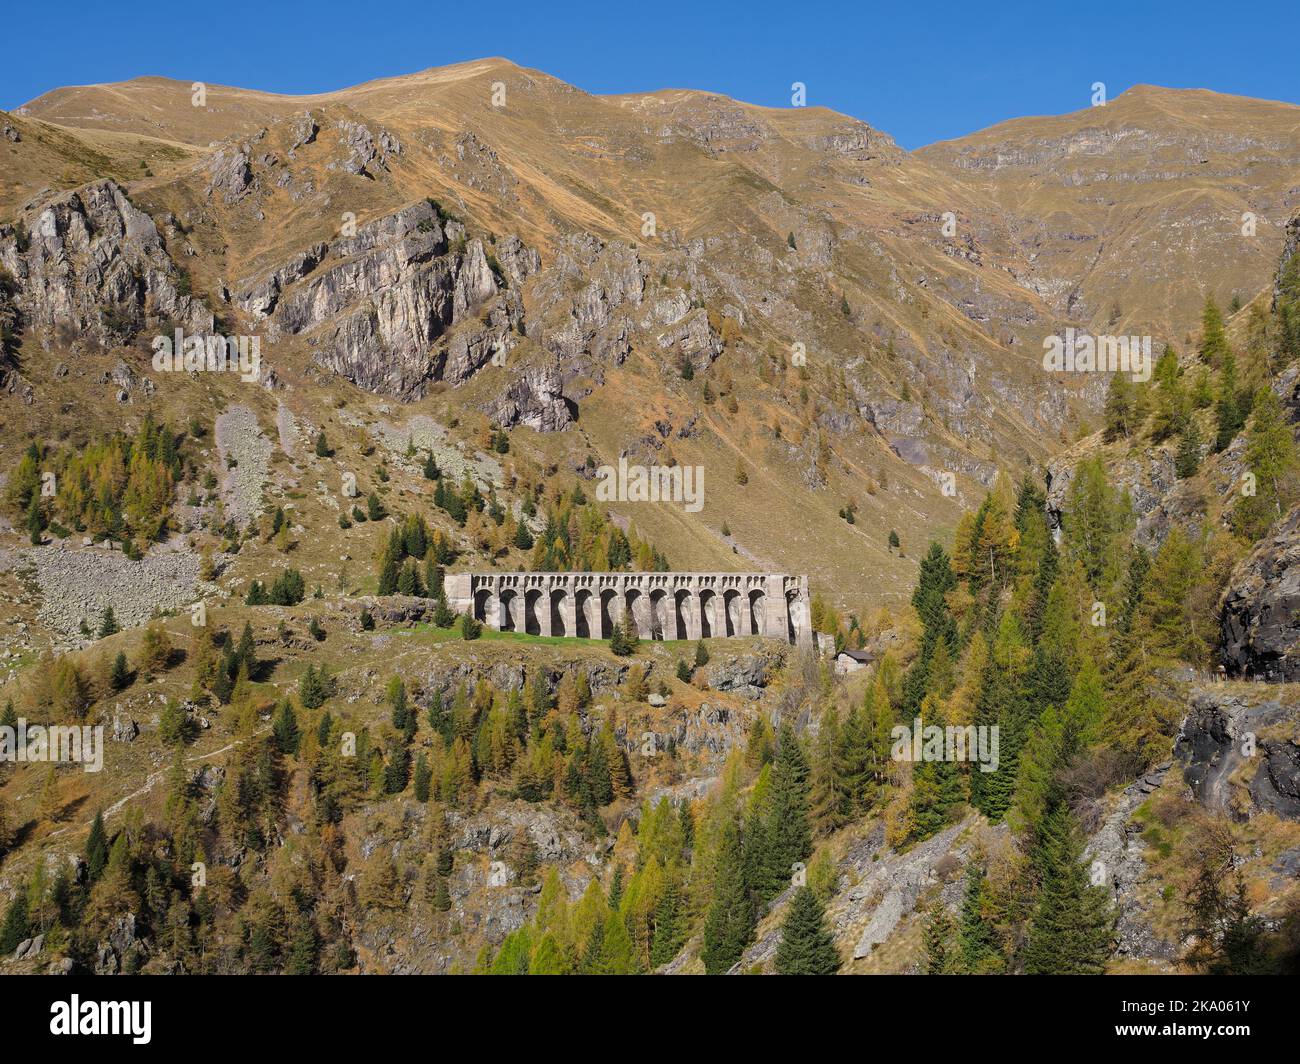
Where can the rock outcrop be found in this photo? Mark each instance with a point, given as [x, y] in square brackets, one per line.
[408, 300]
[94, 267]
[1241, 758]
[1261, 607]
[1115, 856]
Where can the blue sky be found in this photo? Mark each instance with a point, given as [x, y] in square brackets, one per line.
[920, 72]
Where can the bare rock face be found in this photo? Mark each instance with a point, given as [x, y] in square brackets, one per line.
[1222, 733]
[230, 174]
[1115, 855]
[693, 340]
[95, 266]
[1159, 499]
[406, 301]
[368, 152]
[536, 399]
[594, 330]
[1261, 607]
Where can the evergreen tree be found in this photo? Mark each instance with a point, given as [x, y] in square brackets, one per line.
[423, 778]
[1072, 925]
[1188, 457]
[1120, 406]
[829, 796]
[96, 848]
[312, 689]
[120, 676]
[977, 944]
[669, 926]
[304, 947]
[1271, 459]
[730, 919]
[1229, 415]
[441, 895]
[807, 947]
[791, 837]
[15, 928]
[284, 727]
[470, 628]
[108, 623]
[1214, 340]
[939, 957]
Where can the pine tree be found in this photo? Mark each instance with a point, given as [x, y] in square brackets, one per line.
[1214, 340]
[423, 778]
[441, 895]
[669, 926]
[829, 795]
[96, 848]
[621, 639]
[1072, 925]
[730, 919]
[311, 689]
[443, 615]
[939, 957]
[977, 944]
[1229, 416]
[304, 947]
[790, 834]
[284, 727]
[15, 927]
[807, 947]
[1188, 457]
[108, 623]
[1271, 459]
[120, 676]
[1119, 407]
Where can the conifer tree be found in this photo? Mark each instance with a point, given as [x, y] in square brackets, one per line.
[284, 727]
[978, 949]
[939, 955]
[1271, 459]
[1072, 925]
[15, 927]
[669, 926]
[791, 837]
[807, 947]
[1188, 456]
[1229, 415]
[423, 777]
[1119, 407]
[108, 623]
[730, 919]
[96, 848]
[120, 675]
[829, 797]
[1214, 340]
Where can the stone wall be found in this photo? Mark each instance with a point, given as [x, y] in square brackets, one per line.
[661, 605]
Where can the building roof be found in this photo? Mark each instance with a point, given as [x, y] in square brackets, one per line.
[857, 655]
